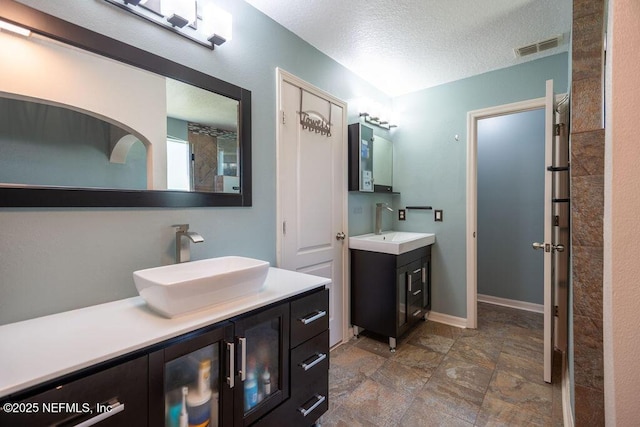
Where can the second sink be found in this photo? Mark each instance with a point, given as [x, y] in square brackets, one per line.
[391, 242]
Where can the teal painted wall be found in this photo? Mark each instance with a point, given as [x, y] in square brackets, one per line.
[60, 259]
[177, 128]
[430, 165]
[49, 145]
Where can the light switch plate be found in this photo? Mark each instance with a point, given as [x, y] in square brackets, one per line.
[437, 215]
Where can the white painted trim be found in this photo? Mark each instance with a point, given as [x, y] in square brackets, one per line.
[472, 219]
[512, 303]
[567, 410]
[548, 280]
[472, 193]
[458, 322]
[282, 76]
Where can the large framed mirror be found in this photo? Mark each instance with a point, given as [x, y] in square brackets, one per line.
[183, 140]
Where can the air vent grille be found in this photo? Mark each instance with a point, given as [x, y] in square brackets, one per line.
[539, 46]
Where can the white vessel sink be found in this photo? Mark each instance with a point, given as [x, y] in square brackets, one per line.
[173, 290]
[391, 242]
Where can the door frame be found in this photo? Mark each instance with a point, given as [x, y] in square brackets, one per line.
[281, 77]
[472, 191]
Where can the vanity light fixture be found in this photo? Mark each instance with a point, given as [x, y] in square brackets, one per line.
[217, 40]
[16, 29]
[177, 21]
[202, 23]
[377, 121]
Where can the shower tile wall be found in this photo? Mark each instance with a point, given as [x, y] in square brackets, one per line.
[587, 209]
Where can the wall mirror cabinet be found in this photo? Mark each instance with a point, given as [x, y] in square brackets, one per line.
[88, 121]
[370, 160]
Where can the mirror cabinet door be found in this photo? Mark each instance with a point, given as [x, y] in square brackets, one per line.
[370, 160]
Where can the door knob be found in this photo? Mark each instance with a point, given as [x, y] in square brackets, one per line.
[537, 245]
[547, 247]
[340, 236]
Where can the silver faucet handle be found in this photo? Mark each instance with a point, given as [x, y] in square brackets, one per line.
[181, 228]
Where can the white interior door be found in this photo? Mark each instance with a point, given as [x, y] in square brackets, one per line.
[548, 246]
[312, 189]
[551, 245]
[561, 234]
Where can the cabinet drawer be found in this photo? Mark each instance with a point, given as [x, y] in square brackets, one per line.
[309, 317]
[117, 395]
[308, 362]
[306, 407]
[310, 380]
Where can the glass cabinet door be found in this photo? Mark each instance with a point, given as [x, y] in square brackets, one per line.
[193, 386]
[366, 158]
[263, 359]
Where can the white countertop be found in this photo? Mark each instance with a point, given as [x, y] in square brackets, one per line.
[41, 349]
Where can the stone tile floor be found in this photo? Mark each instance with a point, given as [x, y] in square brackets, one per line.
[441, 375]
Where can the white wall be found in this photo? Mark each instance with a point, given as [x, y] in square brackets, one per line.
[621, 225]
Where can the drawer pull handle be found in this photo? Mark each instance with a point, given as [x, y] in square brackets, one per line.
[416, 313]
[313, 317]
[417, 292]
[231, 377]
[111, 410]
[319, 400]
[417, 271]
[319, 357]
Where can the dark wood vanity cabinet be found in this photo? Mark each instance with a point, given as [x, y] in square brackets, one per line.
[309, 364]
[262, 364]
[246, 371]
[390, 293]
[269, 367]
[180, 364]
[266, 367]
[112, 396]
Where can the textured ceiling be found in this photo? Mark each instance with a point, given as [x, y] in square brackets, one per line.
[406, 45]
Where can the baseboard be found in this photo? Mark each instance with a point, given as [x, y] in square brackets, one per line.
[458, 322]
[520, 305]
[567, 411]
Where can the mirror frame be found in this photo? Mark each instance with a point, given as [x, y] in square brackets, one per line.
[58, 29]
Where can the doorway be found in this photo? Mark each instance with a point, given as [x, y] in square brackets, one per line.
[510, 209]
[554, 244]
[312, 189]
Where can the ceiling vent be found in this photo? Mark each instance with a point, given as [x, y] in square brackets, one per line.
[539, 46]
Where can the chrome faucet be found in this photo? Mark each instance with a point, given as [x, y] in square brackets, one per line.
[183, 253]
[379, 208]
